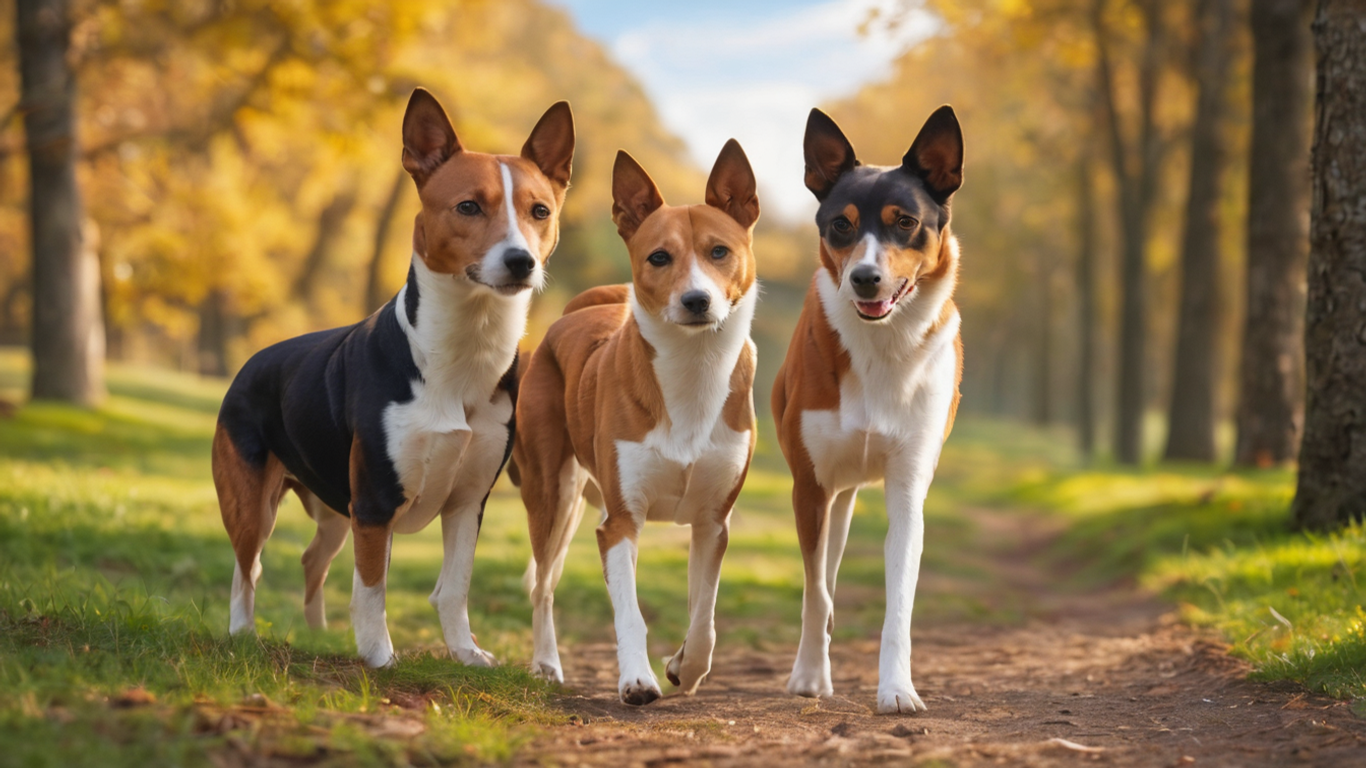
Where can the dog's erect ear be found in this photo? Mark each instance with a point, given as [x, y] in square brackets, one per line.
[731, 186]
[828, 154]
[634, 195]
[428, 138]
[936, 155]
[551, 144]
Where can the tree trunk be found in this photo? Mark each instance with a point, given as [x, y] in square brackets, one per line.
[1136, 189]
[330, 223]
[1086, 307]
[1191, 415]
[1271, 372]
[1332, 480]
[375, 295]
[67, 336]
[213, 334]
[1043, 357]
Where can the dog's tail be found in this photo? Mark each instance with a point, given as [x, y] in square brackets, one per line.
[602, 294]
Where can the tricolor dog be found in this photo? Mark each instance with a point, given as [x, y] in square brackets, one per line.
[869, 388]
[640, 399]
[381, 426]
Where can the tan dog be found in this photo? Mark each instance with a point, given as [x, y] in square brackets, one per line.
[640, 396]
[870, 385]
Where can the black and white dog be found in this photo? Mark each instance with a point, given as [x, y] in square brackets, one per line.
[381, 426]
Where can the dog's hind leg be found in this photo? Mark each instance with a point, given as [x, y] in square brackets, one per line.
[811, 506]
[837, 535]
[333, 528]
[689, 666]
[564, 498]
[248, 494]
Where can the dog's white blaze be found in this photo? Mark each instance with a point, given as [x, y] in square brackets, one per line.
[491, 267]
[698, 280]
[370, 622]
[619, 566]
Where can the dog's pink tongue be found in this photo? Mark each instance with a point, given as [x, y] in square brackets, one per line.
[874, 308]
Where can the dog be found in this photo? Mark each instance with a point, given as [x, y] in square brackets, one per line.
[869, 388]
[640, 400]
[381, 426]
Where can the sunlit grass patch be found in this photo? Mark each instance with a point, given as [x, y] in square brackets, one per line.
[1221, 544]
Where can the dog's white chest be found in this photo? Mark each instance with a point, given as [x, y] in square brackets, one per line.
[659, 484]
[847, 446]
[429, 444]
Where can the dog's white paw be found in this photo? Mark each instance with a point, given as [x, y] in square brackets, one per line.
[380, 658]
[638, 691]
[548, 671]
[678, 670]
[899, 700]
[474, 657]
[812, 682]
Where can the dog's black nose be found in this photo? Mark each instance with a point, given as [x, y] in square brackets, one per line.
[696, 302]
[519, 263]
[865, 279]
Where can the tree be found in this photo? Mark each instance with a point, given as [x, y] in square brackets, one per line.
[1136, 175]
[1191, 415]
[1332, 479]
[68, 331]
[1086, 306]
[1271, 372]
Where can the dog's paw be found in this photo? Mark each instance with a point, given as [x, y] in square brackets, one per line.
[547, 671]
[474, 657]
[638, 692]
[810, 683]
[899, 700]
[381, 658]
[672, 666]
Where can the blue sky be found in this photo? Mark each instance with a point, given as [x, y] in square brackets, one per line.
[749, 70]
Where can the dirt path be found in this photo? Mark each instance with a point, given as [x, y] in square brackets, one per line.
[1105, 677]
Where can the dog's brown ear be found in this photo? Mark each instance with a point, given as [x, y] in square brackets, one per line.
[428, 138]
[731, 186]
[936, 155]
[634, 195]
[829, 155]
[551, 144]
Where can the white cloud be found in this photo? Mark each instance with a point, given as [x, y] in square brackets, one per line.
[713, 79]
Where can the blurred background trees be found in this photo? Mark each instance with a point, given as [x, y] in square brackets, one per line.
[1133, 221]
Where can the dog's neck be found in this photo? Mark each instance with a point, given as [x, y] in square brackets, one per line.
[694, 370]
[463, 336]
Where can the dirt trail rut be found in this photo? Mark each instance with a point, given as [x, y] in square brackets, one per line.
[1104, 677]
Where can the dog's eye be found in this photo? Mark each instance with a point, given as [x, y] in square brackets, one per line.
[659, 258]
[540, 211]
[841, 225]
[906, 222]
[720, 252]
[468, 208]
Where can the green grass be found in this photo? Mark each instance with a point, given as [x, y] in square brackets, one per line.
[1220, 544]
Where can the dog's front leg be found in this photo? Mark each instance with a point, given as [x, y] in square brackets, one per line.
[617, 544]
[689, 666]
[811, 505]
[459, 532]
[368, 618]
